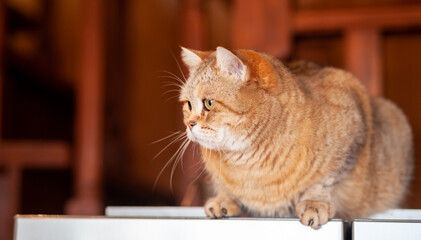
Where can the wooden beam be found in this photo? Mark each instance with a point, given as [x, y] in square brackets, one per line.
[35, 154]
[193, 25]
[89, 112]
[367, 17]
[363, 57]
[10, 185]
[2, 46]
[262, 26]
[5, 218]
[15, 184]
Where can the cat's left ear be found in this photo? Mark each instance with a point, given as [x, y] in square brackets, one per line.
[230, 64]
[192, 58]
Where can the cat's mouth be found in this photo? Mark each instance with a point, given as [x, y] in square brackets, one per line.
[220, 139]
[205, 136]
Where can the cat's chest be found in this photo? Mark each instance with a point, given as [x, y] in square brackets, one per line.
[248, 184]
[260, 193]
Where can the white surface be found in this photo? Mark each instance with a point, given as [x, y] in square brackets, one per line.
[398, 214]
[199, 212]
[104, 228]
[178, 212]
[190, 223]
[368, 230]
[402, 224]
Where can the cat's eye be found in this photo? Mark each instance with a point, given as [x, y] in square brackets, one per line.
[208, 104]
[189, 103]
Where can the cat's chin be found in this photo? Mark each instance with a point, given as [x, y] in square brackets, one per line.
[190, 136]
[204, 144]
[198, 137]
[221, 141]
[207, 144]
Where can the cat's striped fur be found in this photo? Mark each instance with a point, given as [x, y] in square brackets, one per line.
[293, 140]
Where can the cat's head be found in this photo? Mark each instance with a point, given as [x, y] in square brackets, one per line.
[229, 97]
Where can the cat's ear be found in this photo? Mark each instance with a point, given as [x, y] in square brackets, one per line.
[192, 58]
[230, 64]
[263, 70]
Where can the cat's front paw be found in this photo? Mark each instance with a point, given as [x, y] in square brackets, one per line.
[314, 213]
[222, 207]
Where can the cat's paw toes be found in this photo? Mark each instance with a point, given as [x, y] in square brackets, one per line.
[314, 213]
[221, 207]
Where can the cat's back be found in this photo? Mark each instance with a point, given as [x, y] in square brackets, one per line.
[379, 181]
[392, 151]
[333, 94]
[314, 77]
[302, 67]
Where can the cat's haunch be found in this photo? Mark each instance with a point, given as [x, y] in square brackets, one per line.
[293, 140]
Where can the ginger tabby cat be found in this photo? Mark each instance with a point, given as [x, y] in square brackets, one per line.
[297, 140]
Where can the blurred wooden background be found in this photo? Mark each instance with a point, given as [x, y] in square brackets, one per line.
[42, 44]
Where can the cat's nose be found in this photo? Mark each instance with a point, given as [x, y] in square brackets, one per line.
[191, 124]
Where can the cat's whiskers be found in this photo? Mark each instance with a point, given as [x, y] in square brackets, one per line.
[172, 84]
[171, 160]
[202, 170]
[220, 163]
[179, 155]
[182, 154]
[169, 136]
[176, 87]
[177, 137]
[202, 162]
[195, 151]
[178, 65]
[171, 97]
[173, 76]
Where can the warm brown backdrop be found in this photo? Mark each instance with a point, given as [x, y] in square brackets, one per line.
[141, 38]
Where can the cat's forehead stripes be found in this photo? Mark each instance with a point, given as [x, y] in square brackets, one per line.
[203, 82]
[205, 73]
[199, 78]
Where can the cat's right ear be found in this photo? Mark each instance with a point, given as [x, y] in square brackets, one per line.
[191, 58]
[230, 64]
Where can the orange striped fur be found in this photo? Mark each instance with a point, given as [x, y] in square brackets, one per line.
[293, 140]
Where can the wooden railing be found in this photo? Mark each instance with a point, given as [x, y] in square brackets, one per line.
[89, 112]
[361, 28]
[269, 26]
[86, 156]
